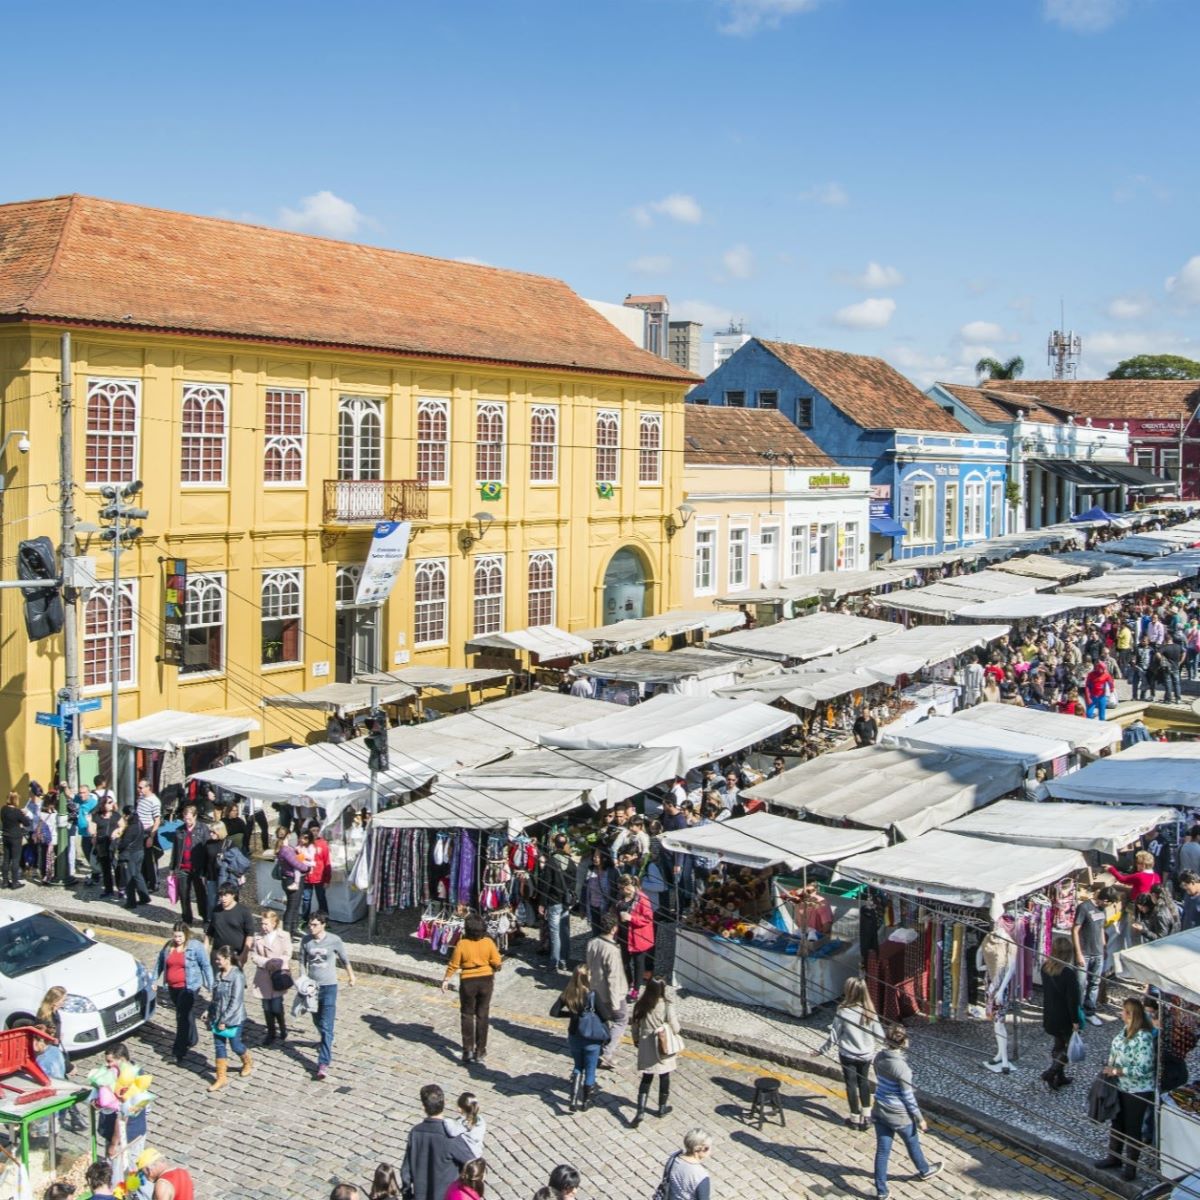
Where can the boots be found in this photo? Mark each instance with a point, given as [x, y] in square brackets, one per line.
[1112, 1160]
[247, 1065]
[271, 1019]
[643, 1097]
[281, 1024]
[222, 1079]
[589, 1094]
[664, 1092]
[576, 1090]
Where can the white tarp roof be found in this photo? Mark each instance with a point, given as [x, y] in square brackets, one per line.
[991, 582]
[1078, 732]
[1035, 606]
[805, 637]
[701, 729]
[1171, 964]
[1119, 583]
[510, 723]
[1146, 773]
[969, 871]
[1099, 560]
[909, 791]
[1081, 827]
[173, 730]
[945, 733]
[548, 642]
[343, 699]
[912, 650]
[762, 840]
[660, 666]
[436, 679]
[628, 635]
[935, 600]
[803, 687]
[1041, 566]
[450, 807]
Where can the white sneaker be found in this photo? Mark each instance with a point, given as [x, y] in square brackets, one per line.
[1094, 1020]
[998, 1067]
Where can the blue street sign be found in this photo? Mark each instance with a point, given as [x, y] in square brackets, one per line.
[51, 719]
[67, 708]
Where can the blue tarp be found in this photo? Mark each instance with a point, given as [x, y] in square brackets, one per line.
[1094, 514]
[887, 527]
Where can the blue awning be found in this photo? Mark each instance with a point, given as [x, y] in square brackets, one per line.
[887, 527]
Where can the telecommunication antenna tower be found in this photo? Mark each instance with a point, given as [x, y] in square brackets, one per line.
[1063, 349]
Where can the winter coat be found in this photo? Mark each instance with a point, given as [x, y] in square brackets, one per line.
[1061, 999]
[555, 881]
[559, 1010]
[651, 1060]
[639, 929]
[200, 836]
[270, 952]
[321, 874]
[228, 1007]
[895, 1102]
[432, 1160]
[607, 971]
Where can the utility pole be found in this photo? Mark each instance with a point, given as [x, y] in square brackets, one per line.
[374, 767]
[70, 688]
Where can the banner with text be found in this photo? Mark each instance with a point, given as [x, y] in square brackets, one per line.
[389, 546]
[174, 610]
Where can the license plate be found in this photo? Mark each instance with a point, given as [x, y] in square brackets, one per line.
[124, 1014]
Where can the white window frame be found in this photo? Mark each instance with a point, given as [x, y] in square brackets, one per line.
[997, 508]
[850, 537]
[950, 512]
[542, 558]
[434, 408]
[113, 390]
[650, 455]
[493, 410]
[798, 562]
[608, 419]
[362, 453]
[974, 501]
[102, 594]
[345, 582]
[704, 556]
[206, 396]
[1168, 463]
[1144, 456]
[541, 414]
[272, 590]
[487, 607]
[199, 588]
[432, 568]
[739, 535]
[922, 529]
[285, 445]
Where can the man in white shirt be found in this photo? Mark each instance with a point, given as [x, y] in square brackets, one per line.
[149, 813]
[583, 687]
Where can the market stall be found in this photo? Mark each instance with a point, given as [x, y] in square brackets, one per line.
[342, 703]
[445, 689]
[1084, 737]
[636, 676]
[1042, 566]
[539, 654]
[806, 638]
[1156, 773]
[670, 631]
[1035, 606]
[744, 943]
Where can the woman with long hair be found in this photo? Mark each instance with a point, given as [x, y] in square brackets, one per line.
[858, 1037]
[291, 871]
[636, 935]
[476, 956]
[1062, 1002]
[227, 1015]
[895, 1113]
[469, 1124]
[1130, 1069]
[271, 953]
[587, 1032]
[184, 968]
[469, 1185]
[599, 888]
[102, 823]
[653, 1016]
[386, 1184]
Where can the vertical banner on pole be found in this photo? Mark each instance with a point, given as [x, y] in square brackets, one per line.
[389, 545]
[174, 610]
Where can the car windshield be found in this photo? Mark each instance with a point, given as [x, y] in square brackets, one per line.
[36, 942]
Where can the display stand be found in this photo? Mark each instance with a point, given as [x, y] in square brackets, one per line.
[1178, 1139]
[345, 904]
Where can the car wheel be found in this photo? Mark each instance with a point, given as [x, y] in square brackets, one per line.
[19, 1019]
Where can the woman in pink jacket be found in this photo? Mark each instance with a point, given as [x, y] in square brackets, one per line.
[637, 931]
[469, 1185]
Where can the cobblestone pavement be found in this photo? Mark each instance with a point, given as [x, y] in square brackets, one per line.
[278, 1134]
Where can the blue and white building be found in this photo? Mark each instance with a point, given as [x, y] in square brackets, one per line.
[935, 484]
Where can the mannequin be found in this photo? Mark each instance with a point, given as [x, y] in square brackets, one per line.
[998, 961]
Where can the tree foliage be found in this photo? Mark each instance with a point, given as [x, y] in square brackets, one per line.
[1156, 366]
[993, 368]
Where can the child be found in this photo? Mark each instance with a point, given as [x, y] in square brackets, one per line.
[468, 1125]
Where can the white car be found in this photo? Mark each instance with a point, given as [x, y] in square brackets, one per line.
[109, 993]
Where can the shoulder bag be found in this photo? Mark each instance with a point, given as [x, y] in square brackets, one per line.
[669, 1042]
[591, 1027]
[663, 1191]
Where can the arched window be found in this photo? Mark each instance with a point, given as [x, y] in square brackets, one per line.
[608, 441]
[345, 587]
[98, 636]
[360, 437]
[433, 441]
[202, 450]
[489, 594]
[283, 436]
[281, 614]
[543, 444]
[204, 625]
[489, 443]
[541, 587]
[111, 443]
[430, 597]
[650, 448]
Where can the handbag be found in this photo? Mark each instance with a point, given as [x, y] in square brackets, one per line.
[663, 1191]
[669, 1042]
[172, 888]
[592, 1029]
[230, 1031]
[1076, 1049]
[281, 980]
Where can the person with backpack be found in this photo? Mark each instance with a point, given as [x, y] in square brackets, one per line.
[589, 1021]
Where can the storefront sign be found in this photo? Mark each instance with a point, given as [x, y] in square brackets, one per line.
[908, 503]
[174, 610]
[389, 545]
[829, 479]
[881, 491]
[881, 508]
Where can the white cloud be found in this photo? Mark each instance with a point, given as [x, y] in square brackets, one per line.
[1128, 308]
[1084, 16]
[925, 369]
[746, 17]
[874, 313]
[974, 332]
[1186, 285]
[876, 278]
[472, 261]
[326, 214]
[738, 261]
[1103, 349]
[651, 264]
[831, 194]
[712, 315]
[677, 207]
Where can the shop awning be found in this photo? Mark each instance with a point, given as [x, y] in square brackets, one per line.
[1077, 732]
[450, 807]
[668, 667]
[1082, 827]
[1086, 476]
[437, 679]
[1156, 773]
[911, 650]
[1138, 479]
[967, 871]
[1171, 965]
[1037, 606]
[905, 791]
[1041, 566]
[341, 699]
[805, 637]
[701, 729]
[173, 730]
[1119, 583]
[762, 840]
[548, 642]
[629, 635]
[887, 527]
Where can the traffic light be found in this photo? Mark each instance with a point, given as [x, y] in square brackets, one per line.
[43, 606]
[120, 513]
[377, 739]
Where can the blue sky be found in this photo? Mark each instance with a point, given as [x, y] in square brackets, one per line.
[921, 179]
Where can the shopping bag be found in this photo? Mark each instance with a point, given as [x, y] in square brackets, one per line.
[1076, 1050]
[172, 888]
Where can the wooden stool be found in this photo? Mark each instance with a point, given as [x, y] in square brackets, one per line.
[766, 1101]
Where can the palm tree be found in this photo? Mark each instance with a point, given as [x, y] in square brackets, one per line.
[993, 368]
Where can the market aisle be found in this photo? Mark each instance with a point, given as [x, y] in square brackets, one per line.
[293, 1137]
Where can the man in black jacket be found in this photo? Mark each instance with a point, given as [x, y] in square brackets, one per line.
[555, 895]
[188, 860]
[433, 1155]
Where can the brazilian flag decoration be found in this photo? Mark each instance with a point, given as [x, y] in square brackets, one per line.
[491, 491]
[604, 491]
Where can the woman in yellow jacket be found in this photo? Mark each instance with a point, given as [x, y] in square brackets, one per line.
[478, 959]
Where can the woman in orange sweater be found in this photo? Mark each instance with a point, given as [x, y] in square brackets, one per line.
[478, 959]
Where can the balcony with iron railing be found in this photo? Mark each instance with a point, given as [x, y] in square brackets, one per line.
[364, 501]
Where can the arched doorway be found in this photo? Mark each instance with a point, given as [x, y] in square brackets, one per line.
[624, 586]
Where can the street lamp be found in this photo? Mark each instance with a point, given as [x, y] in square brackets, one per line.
[467, 537]
[686, 513]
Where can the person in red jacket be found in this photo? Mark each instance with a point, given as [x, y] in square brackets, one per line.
[1097, 688]
[637, 931]
[321, 875]
[1142, 879]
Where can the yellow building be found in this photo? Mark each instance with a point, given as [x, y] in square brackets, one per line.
[278, 394]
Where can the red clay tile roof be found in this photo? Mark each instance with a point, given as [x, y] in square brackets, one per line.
[731, 437]
[998, 404]
[869, 391]
[82, 259]
[1113, 399]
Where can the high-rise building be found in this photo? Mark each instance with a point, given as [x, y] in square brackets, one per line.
[684, 344]
[658, 316]
[728, 342]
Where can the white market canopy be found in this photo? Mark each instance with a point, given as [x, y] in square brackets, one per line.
[1098, 561]
[762, 840]
[1082, 827]
[1120, 583]
[912, 650]
[700, 729]
[967, 871]
[805, 637]
[173, 730]
[945, 733]
[640, 631]
[664, 667]
[450, 807]
[803, 687]
[1042, 566]
[906, 791]
[1153, 773]
[548, 642]
[1078, 732]
[1171, 964]
[1036, 606]
[437, 679]
[993, 582]
[341, 699]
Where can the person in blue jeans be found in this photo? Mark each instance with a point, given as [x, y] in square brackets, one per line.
[555, 895]
[226, 1016]
[896, 1114]
[589, 1022]
[320, 953]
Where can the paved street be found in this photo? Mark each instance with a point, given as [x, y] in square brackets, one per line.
[280, 1134]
